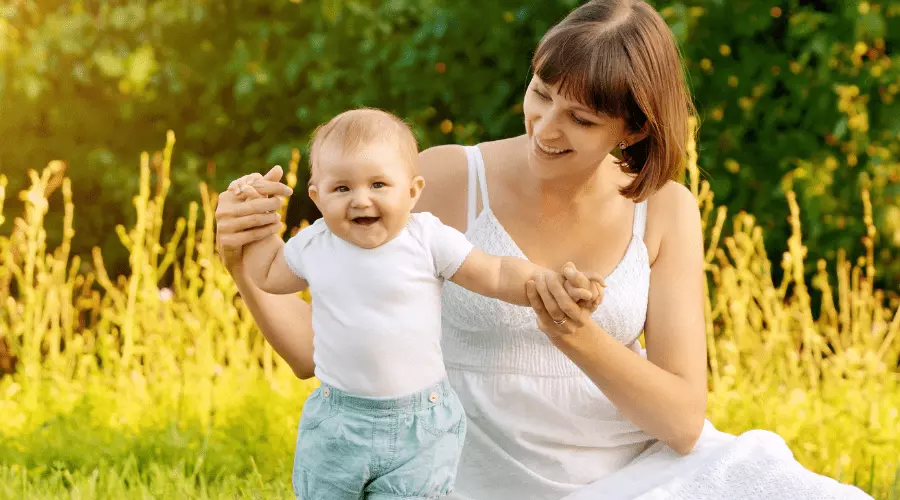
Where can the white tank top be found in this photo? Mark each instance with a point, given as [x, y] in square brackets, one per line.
[538, 427]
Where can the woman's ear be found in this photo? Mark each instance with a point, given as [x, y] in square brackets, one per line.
[415, 190]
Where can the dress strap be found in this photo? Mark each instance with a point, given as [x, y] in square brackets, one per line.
[640, 219]
[476, 176]
[473, 185]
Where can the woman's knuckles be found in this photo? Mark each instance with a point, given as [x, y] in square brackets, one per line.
[261, 220]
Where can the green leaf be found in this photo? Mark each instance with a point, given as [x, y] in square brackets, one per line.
[870, 26]
[109, 64]
[840, 128]
[331, 9]
[243, 87]
[280, 153]
[141, 65]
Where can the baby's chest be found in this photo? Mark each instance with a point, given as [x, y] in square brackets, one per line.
[387, 280]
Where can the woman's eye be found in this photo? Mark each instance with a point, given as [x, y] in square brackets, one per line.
[342, 189]
[581, 122]
[541, 95]
[378, 185]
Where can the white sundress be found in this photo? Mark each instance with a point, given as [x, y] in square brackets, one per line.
[539, 429]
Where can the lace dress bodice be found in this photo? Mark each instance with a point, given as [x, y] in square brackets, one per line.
[534, 416]
[481, 333]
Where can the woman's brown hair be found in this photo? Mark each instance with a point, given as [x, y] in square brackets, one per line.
[619, 58]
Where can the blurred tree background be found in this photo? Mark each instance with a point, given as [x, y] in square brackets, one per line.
[791, 92]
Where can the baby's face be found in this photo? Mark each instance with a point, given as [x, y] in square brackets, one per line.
[365, 197]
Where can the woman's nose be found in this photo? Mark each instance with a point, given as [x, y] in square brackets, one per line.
[546, 126]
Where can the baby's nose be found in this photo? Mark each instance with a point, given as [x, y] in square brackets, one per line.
[360, 199]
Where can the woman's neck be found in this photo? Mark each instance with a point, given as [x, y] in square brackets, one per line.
[584, 196]
[592, 192]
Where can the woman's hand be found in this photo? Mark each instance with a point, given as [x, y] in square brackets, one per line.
[550, 297]
[247, 212]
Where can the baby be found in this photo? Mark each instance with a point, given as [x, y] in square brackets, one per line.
[384, 422]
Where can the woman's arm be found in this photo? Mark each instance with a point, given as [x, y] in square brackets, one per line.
[285, 320]
[665, 395]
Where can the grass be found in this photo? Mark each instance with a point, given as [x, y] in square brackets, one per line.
[83, 453]
[125, 480]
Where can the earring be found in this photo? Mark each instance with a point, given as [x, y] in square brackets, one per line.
[626, 158]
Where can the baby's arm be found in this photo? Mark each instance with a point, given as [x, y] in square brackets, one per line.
[504, 278]
[264, 259]
[267, 267]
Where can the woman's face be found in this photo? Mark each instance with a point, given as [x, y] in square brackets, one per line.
[567, 138]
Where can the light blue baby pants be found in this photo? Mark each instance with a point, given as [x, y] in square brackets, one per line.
[351, 447]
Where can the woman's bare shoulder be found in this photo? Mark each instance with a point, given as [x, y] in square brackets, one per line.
[672, 211]
[446, 175]
[500, 152]
[673, 195]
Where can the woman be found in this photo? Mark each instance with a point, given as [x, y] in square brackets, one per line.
[574, 407]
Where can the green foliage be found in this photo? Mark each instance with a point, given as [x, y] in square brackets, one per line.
[795, 92]
[802, 94]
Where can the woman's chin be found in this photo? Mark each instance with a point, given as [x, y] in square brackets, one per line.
[544, 168]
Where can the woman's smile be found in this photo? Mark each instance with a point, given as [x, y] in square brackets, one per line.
[548, 152]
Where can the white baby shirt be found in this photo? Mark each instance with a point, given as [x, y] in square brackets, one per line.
[376, 313]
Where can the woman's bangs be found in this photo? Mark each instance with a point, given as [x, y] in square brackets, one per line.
[590, 70]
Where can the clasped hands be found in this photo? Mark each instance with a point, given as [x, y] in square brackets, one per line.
[563, 302]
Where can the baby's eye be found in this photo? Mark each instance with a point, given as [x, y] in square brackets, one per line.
[378, 185]
[342, 189]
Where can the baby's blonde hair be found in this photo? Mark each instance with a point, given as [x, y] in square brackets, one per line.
[357, 128]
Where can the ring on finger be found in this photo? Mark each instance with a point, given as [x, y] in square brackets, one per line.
[560, 321]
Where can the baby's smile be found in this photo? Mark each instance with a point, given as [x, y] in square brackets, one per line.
[365, 221]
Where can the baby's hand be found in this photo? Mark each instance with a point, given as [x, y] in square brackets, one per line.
[246, 192]
[585, 288]
[256, 185]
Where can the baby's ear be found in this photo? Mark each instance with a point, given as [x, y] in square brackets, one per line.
[313, 193]
[415, 189]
